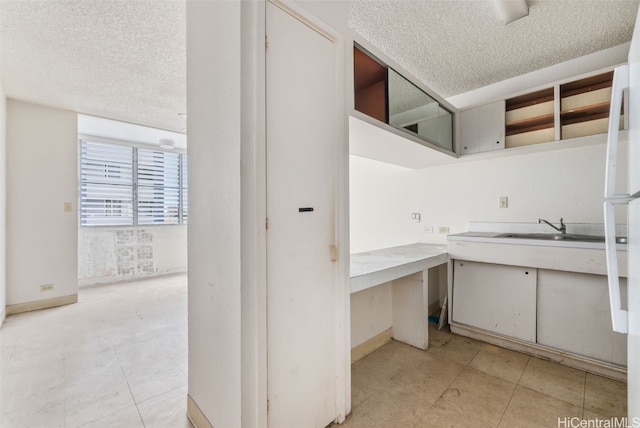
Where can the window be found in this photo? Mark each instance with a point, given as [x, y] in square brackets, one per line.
[126, 186]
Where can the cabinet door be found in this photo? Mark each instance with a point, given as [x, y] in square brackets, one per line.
[574, 315]
[482, 128]
[497, 298]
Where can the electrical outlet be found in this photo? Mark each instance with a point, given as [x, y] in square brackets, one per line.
[46, 287]
[428, 229]
[444, 229]
[504, 202]
[415, 217]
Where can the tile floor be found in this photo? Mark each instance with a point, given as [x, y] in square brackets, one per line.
[118, 359]
[461, 382]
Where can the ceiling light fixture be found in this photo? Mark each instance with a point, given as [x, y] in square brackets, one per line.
[167, 143]
[511, 10]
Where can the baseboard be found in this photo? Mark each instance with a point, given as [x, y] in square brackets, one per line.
[367, 347]
[108, 280]
[579, 362]
[41, 304]
[195, 415]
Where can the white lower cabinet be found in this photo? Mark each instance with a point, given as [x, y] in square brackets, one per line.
[574, 316]
[496, 298]
[565, 311]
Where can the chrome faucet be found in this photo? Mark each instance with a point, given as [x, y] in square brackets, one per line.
[562, 229]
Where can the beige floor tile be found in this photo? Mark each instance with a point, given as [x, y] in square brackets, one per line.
[605, 396]
[168, 410]
[430, 378]
[594, 419]
[128, 417]
[391, 408]
[50, 416]
[531, 409]
[92, 398]
[500, 362]
[555, 380]
[30, 391]
[149, 384]
[474, 399]
[453, 347]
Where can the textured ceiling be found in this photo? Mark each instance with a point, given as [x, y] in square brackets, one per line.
[122, 59]
[454, 46]
[126, 59]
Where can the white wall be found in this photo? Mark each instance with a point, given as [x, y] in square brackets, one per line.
[3, 198]
[109, 254]
[371, 313]
[565, 183]
[41, 176]
[213, 103]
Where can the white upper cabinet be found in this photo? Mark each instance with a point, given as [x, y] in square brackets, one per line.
[482, 128]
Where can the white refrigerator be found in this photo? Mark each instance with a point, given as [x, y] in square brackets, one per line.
[626, 86]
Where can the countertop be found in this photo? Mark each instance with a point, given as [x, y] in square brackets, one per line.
[376, 267]
[570, 256]
[494, 237]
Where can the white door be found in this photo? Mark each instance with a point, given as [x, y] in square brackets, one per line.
[301, 211]
[633, 339]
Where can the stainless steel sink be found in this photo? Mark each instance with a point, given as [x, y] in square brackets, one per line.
[561, 237]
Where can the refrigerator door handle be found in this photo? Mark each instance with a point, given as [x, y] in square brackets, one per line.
[619, 316]
[620, 85]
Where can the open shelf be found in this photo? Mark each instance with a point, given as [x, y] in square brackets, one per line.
[584, 105]
[530, 118]
[530, 99]
[530, 124]
[585, 113]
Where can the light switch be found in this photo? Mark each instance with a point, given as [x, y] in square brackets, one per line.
[67, 207]
[504, 202]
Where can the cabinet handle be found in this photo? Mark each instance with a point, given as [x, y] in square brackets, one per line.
[620, 84]
[619, 316]
[334, 252]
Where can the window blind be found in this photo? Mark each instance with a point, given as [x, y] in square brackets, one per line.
[106, 189]
[123, 186]
[183, 186]
[158, 187]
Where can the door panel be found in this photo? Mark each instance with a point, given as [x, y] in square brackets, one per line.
[633, 290]
[497, 298]
[301, 210]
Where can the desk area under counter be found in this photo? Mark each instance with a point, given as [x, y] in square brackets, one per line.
[392, 290]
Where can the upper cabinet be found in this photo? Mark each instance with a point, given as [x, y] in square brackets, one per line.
[564, 111]
[370, 86]
[395, 117]
[382, 93]
[482, 128]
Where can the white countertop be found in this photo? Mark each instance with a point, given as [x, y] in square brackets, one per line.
[494, 237]
[377, 267]
[570, 256]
